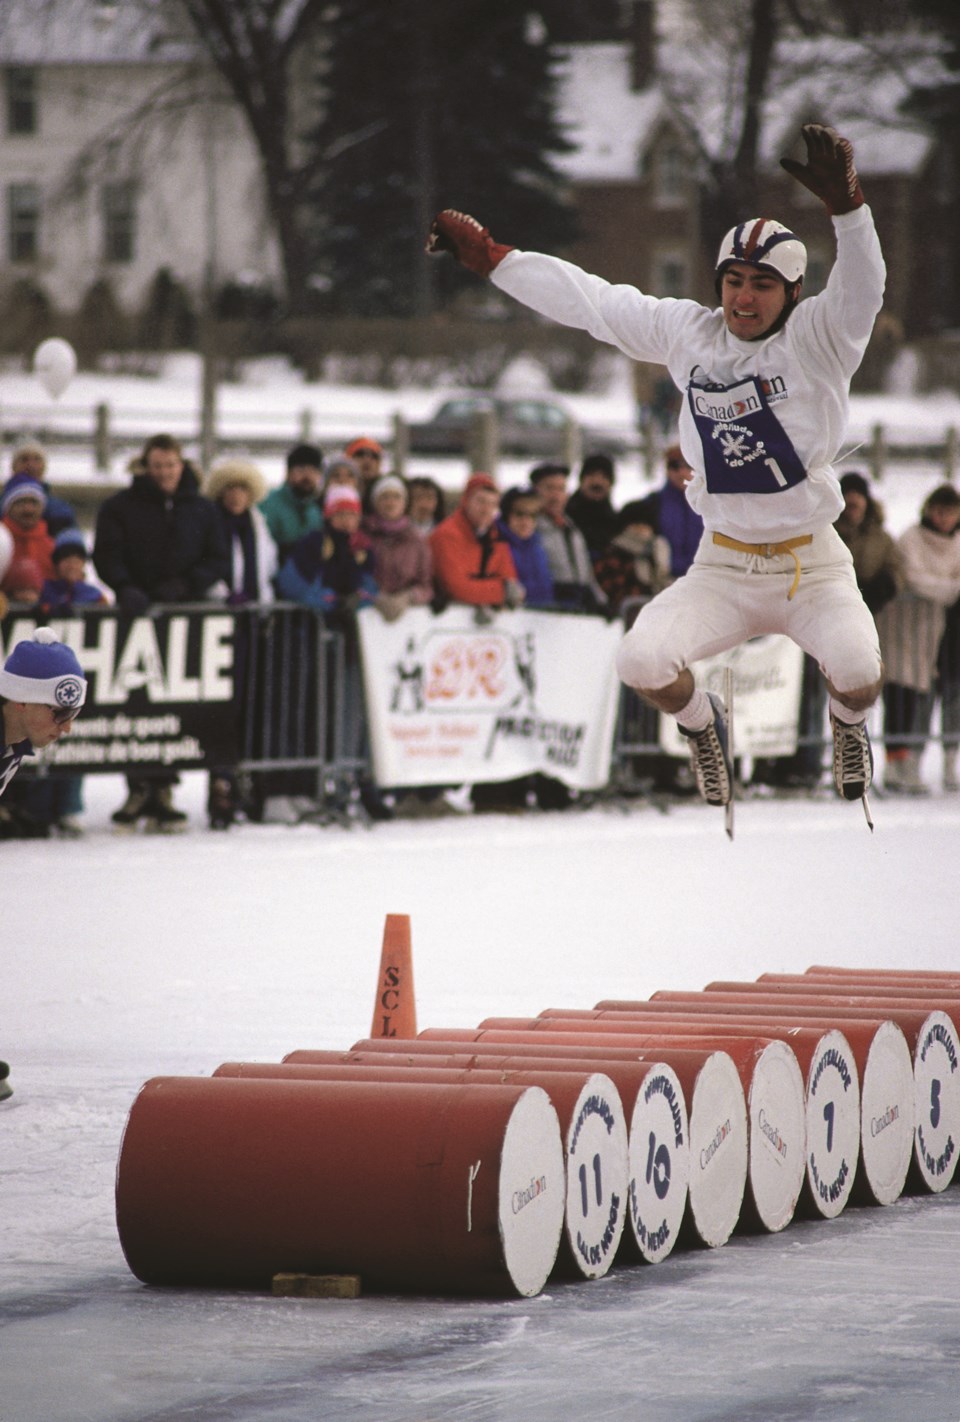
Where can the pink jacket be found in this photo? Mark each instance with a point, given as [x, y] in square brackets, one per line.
[404, 560]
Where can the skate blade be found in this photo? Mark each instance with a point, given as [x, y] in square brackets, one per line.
[728, 707]
[866, 811]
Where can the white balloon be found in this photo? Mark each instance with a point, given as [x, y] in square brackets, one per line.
[55, 363]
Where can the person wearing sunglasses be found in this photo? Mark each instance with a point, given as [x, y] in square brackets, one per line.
[42, 688]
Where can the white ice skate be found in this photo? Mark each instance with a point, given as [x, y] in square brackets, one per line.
[711, 760]
[852, 762]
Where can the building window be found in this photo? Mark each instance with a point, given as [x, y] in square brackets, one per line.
[671, 175]
[23, 222]
[119, 222]
[669, 277]
[22, 101]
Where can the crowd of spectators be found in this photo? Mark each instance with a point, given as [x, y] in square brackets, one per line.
[342, 532]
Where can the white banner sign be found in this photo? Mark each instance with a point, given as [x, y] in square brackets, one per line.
[452, 700]
[767, 677]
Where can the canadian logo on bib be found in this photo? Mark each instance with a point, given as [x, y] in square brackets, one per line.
[746, 449]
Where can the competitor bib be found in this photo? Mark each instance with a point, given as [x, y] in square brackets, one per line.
[746, 450]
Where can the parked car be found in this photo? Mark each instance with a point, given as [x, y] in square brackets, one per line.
[532, 426]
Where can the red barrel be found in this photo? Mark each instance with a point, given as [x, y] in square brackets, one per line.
[718, 1131]
[776, 1111]
[887, 1088]
[824, 1166]
[658, 1158]
[418, 1188]
[931, 975]
[592, 1125]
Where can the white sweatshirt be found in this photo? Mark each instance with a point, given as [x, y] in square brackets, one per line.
[803, 371]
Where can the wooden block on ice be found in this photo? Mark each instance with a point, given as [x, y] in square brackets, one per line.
[316, 1286]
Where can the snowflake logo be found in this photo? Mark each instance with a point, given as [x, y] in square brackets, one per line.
[733, 441]
[732, 445]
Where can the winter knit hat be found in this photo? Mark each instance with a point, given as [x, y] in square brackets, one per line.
[478, 481]
[69, 543]
[341, 496]
[390, 483]
[304, 454]
[43, 672]
[597, 464]
[854, 484]
[363, 445]
[28, 446]
[20, 488]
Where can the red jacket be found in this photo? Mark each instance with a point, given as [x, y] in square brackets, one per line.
[36, 545]
[468, 568]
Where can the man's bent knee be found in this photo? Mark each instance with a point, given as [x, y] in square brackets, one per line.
[672, 698]
[860, 699]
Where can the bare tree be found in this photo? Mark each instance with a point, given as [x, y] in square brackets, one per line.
[255, 45]
[730, 65]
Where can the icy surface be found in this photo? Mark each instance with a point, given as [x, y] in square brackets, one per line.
[130, 958]
[133, 957]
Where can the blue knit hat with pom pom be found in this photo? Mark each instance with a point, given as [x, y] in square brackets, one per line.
[43, 671]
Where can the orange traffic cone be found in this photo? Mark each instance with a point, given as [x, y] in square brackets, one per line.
[395, 1007]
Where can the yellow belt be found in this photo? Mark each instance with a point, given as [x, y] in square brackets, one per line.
[769, 550]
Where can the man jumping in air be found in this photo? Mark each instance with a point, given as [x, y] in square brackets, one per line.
[766, 382]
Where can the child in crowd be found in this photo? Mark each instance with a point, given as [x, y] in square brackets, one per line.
[22, 508]
[333, 569]
[67, 590]
[404, 562]
[55, 803]
[340, 469]
[519, 511]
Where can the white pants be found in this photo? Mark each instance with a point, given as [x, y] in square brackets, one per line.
[727, 597]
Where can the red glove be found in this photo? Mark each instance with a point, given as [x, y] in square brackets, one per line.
[829, 172]
[471, 244]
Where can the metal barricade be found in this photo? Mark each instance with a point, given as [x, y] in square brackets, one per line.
[299, 698]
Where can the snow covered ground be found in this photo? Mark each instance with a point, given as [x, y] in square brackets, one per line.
[127, 958]
[132, 957]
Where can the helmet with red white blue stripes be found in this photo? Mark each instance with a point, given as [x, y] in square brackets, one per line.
[761, 242]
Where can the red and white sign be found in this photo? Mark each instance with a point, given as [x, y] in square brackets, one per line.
[462, 699]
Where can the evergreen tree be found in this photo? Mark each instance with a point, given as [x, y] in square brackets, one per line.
[425, 107]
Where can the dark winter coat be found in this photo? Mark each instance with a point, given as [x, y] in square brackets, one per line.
[166, 548]
[329, 569]
[596, 520]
